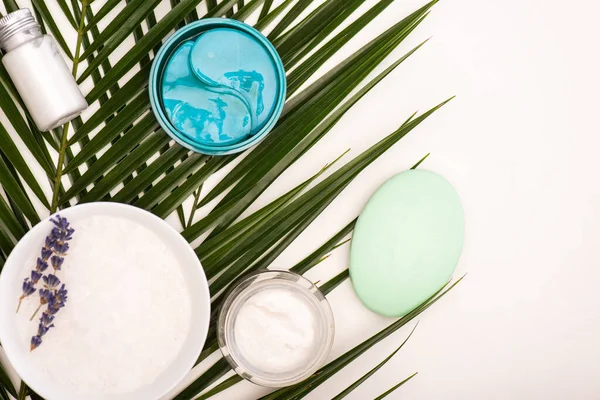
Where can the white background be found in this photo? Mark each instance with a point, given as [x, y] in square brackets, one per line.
[519, 143]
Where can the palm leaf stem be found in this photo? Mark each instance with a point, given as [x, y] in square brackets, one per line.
[75, 175]
[63, 143]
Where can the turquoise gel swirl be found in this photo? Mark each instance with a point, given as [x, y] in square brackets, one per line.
[207, 114]
[219, 88]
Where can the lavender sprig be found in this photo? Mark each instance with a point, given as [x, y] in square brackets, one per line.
[58, 242]
[41, 265]
[53, 253]
[55, 302]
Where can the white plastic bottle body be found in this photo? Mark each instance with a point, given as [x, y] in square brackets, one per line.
[44, 82]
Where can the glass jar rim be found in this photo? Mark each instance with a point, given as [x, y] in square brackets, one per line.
[246, 287]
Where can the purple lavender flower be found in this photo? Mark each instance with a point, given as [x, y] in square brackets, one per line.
[63, 233]
[41, 265]
[46, 253]
[60, 222]
[61, 248]
[46, 319]
[28, 290]
[51, 281]
[50, 240]
[45, 296]
[54, 305]
[57, 262]
[35, 276]
[35, 342]
[55, 248]
[61, 294]
[43, 329]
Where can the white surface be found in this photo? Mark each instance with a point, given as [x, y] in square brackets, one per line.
[519, 143]
[76, 359]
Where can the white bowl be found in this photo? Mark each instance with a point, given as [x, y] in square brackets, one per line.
[11, 280]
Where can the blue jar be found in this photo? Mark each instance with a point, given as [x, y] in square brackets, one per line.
[217, 86]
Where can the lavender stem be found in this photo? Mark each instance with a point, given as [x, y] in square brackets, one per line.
[35, 313]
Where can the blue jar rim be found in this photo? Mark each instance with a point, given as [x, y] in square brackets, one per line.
[171, 44]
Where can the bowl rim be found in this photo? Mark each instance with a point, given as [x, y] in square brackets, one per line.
[162, 119]
[200, 301]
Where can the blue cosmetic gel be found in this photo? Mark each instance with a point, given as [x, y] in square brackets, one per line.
[220, 87]
[205, 113]
[233, 58]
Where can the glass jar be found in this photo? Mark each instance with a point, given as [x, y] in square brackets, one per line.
[275, 328]
[38, 71]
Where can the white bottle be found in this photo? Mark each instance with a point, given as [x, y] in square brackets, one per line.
[39, 72]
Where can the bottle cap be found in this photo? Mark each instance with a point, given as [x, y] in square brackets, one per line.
[15, 22]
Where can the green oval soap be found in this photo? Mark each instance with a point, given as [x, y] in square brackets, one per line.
[407, 242]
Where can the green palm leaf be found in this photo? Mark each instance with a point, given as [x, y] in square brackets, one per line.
[6, 383]
[388, 392]
[19, 124]
[14, 189]
[289, 18]
[10, 5]
[118, 100]
[3, 393]
[151, 173]
[126, 167]
[265, 10]
[8, 220]
[107, 7]
[67, 13]
[245, 11]
[122, 26]
[12, 153]
[151, 39]
[267, 16]
[41, 7]
[366, 376]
